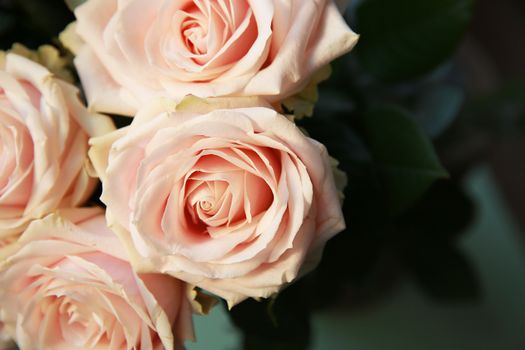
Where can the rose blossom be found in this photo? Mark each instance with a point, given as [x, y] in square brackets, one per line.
[128, 51]
[67, 284]
[233, 200]
[44, 132]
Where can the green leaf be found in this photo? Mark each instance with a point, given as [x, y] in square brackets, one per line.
[438, 108]
[404, 154]
[72, 4]
[403, 39]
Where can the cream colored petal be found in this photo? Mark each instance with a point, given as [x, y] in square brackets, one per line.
[303, 103]
[2, 59]
[99, 151]
[70, 39]
[199, 105]
[202, 303]
[49, 57]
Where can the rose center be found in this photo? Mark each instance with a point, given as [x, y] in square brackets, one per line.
[206, 205]
[73, 315]
[195, 37]
[214, 33]
[208, 202]
[79, 324]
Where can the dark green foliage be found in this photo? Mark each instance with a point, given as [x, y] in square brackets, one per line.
[404, 155]
[407, 38]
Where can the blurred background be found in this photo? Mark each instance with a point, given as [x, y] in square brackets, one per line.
[427, 118]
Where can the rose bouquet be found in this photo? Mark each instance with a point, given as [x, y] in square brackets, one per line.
[211, 191]
[160, 157]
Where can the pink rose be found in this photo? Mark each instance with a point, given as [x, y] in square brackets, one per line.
[138, 49]
[232, 200]
[69, 286]
[44, 132]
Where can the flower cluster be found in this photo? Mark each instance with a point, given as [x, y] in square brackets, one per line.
[210, 191]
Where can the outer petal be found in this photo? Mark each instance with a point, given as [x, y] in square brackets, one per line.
[284, 76]
[70, 39]
[102, 92]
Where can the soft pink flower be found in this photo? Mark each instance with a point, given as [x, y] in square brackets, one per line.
[66, 284]
[233, 200]
[44, 132]
[137, 49]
